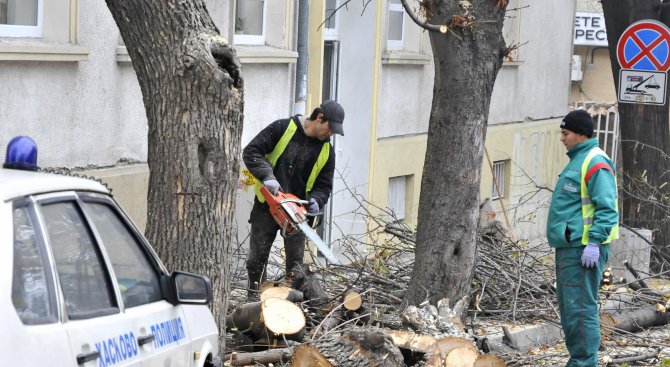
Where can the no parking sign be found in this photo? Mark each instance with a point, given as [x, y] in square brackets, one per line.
[643, 51]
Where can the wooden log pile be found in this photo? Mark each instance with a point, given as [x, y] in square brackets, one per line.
[355, 311]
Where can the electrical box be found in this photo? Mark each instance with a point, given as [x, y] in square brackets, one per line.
[576, 74]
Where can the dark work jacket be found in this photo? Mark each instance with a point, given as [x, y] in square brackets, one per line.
[294, 165]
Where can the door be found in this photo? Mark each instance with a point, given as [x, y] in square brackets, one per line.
[30, 320]
[99, 334]
[331, 63]
[160, 328]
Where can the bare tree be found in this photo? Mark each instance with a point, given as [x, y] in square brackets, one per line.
[645, 133]
[468, 50]
[192, 90]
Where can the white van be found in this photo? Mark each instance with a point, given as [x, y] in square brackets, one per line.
[80, 285]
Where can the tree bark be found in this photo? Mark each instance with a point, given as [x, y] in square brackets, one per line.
[634, 321]
[467, 60]
[645, 135]
[192, 91]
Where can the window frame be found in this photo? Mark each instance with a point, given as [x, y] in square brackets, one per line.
[395, 44]
[146, 250]
[330, 34]
[247, 39]
[45, 255]
[512, 26]
[398, 216]
[108, 272]
[498, 173]
[14, 31]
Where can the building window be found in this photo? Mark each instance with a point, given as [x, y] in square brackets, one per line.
[397, 197]
[498, 187]
[395, 25]
[330, 24]
[511, 29]
[21, 18]
[250, 22]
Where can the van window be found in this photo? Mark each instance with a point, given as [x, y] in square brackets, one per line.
[137, 279]
[82, 276]
[31, 294]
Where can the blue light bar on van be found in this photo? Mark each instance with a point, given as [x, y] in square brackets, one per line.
[21, 154]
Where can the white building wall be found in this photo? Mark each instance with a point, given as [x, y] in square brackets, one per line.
[537, 86]
[357, 59]
[90, 113]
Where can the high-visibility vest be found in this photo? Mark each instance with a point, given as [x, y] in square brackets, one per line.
[279, 149]
[588, 208]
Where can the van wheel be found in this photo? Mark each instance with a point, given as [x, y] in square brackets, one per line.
[213, 362]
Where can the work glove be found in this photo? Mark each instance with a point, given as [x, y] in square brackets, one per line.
[590, 255]
[272, 185]
[312, 207]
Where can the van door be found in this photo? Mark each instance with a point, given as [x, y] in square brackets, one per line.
[99, 334]
[160, 327]
[31, 334]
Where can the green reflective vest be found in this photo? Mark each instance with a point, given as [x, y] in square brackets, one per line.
[279, 149]
[588, 208]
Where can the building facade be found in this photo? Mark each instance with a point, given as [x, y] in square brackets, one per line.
[68, 82]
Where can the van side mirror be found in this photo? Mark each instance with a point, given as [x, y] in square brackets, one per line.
[187, 288]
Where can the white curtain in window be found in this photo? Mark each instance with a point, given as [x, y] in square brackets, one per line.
[397, 188]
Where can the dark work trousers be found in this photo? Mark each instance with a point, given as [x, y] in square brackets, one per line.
[263, 232]
[577, 293]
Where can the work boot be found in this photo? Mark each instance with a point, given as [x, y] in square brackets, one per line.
[252, 292]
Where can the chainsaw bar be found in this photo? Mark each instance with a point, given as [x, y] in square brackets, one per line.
[325, 250]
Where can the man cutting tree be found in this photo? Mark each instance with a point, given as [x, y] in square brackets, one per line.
[292, 155]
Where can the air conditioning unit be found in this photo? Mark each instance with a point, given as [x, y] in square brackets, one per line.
[576, 74]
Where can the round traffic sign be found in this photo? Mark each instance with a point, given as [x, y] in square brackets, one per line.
[645, 45]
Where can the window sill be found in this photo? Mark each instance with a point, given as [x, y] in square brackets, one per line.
[405, 58]
[265, 55]
[38, 50]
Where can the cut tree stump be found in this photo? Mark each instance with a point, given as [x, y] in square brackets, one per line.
[352, 301]
[282, 292]
[447, 352]
[489, 360]
[421, 343]
[633, 321]
[269, 319]
[357, 347]
[456, 351]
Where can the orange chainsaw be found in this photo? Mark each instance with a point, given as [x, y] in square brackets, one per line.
[291, 215]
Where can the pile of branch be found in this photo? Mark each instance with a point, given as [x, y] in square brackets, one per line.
[355, 311]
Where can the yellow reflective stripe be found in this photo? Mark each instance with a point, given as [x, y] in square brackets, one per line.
[279, 149]
[276, 153]
[588, 208]
[318, 166]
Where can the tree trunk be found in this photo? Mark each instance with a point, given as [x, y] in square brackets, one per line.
[645, 135]
[634, 321]
[466, 65]
[192, 91]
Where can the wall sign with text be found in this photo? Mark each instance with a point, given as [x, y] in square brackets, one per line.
[590, 29]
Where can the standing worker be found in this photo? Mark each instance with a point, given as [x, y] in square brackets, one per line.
[583, 220]
[293, 155]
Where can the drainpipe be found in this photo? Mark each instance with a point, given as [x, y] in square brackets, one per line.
[301, 66]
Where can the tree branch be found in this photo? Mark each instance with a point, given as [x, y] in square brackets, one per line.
[425, 25]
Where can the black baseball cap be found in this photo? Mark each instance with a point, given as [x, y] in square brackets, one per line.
[334, 114]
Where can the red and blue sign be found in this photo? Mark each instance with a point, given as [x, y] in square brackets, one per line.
[645, 45]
